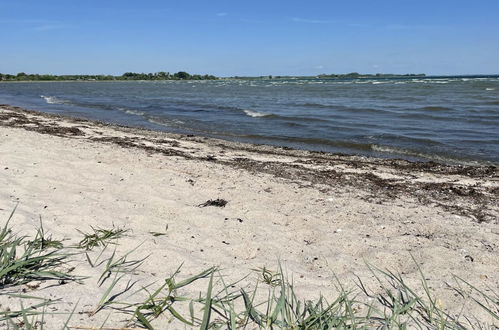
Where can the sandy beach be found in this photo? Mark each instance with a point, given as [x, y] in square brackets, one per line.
[322, 216]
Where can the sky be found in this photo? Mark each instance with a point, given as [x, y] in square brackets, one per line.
[228, 38]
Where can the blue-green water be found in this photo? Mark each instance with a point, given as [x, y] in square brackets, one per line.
[447, 119]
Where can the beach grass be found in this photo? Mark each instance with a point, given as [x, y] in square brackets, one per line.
[23, 260]
[270, 301]
[44, 240]
[100, 237]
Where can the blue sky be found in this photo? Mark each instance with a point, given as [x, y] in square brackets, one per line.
[255, 37]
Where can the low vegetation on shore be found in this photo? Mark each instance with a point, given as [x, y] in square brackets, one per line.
[26, 263]
[181, 75]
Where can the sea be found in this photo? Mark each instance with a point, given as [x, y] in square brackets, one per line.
[453, 120]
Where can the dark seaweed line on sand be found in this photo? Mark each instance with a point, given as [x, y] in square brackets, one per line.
[476, 202]
[451, 197]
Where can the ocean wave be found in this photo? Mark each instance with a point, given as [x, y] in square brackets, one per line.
[417, 154]
[436, 108]
[54, 100]
[256, 114]
[288, 118]
[490, 89]
[157, 122]
[314, 105]
[132, 112]
[314, 141]
[340, 108]
[165, 122]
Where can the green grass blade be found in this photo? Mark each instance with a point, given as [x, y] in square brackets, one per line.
[143, 320]
[207, 307]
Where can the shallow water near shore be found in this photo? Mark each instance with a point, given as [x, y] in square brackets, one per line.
[445, 119]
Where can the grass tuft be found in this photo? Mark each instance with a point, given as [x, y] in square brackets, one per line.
[22, 261]
[100, 237]
[163, 299]
[273, 305]
[44, 241]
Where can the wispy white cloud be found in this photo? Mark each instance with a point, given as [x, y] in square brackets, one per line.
[253, 21]
[399, 27]
[25, 21]
[36, 24]
[222, 14]
[406, 27]
[310, 21]
[48, 27]
[359, 25]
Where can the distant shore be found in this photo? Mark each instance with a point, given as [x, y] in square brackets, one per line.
[321, 215]
[182, 76]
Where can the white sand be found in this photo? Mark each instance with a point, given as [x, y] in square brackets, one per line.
[316, 228]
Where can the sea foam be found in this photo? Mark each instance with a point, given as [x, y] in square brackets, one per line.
[53, 100]
[439, 158]
[256, 114]
[132, 112]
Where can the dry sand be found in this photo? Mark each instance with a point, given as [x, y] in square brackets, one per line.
[320, 215]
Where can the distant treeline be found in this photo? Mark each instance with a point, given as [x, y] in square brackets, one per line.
[352, 75]
[377, 75]
[181, 75]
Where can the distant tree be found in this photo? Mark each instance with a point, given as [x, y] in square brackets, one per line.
[182, 75]
[162, 75]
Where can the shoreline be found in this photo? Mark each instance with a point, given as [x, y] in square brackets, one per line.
[264, 148]
[314, 167]
[417, 136]
[323, 216]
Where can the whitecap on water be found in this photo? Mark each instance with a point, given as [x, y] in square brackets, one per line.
[132, 112]
[256, 114]
[157, 122]
[165, 122]
[401, 151]
[53, 100]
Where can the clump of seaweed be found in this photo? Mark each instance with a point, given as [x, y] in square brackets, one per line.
[214, 202]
